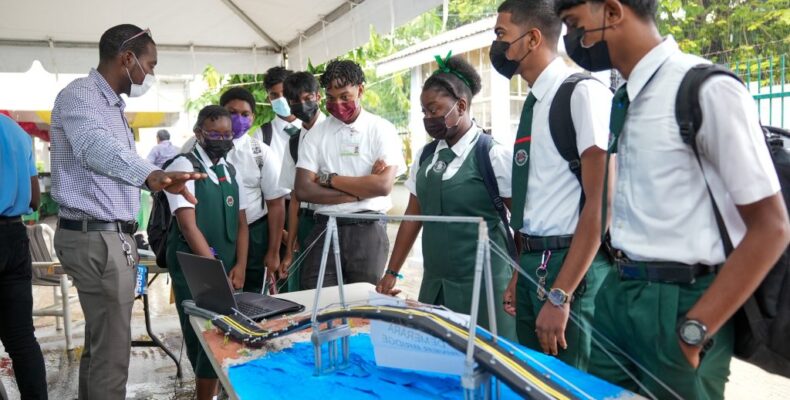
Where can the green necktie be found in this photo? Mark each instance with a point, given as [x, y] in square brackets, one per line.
[433, 201]
[227, 196]
[291, 130]
[521, 163]
[620, 104]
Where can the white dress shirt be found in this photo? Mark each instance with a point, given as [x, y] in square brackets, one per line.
[177, 201]
[288, 170]
[279, 135]
[553, 192]
[257, 183]
[662, 210]
[351, 150]
[501, 159]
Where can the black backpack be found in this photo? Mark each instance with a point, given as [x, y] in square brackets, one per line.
[563, 133]
[161, 218]
[267, 130]
[293, 147]
[762, 325]
[482, 148]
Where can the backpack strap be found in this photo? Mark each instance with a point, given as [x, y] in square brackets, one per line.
[562, 130]
[688, 114]
[189, 156]
[482, 152]
[428, 151]
[293, 147]
[267, 130]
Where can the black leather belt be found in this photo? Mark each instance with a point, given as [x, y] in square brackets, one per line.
[531, 244]
[128, 227]
[10, 220]
[663, 271]
[323, 219]
[306, 212]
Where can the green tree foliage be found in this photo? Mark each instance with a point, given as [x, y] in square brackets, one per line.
[727, 31]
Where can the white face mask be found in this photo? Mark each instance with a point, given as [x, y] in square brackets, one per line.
[138, 90]
[280, 107]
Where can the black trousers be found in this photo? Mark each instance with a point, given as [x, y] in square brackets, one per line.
[363, 254]
[16, 313]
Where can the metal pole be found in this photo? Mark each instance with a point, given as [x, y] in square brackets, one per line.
[330, 228]
[784, 74]
[771, 91]
[339, 271]
[469, 364]
[490, 290]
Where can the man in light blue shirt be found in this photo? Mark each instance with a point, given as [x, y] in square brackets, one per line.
[164, 150]
[19, 180]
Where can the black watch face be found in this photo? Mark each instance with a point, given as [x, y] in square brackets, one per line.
[692, 333]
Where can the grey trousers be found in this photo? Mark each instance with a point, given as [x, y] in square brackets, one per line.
[363, 253]
[105, 284]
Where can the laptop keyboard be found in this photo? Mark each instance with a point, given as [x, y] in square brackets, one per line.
[252, 310]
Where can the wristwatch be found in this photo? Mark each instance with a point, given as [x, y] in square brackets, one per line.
[558, 297]
[692, 332]
[329, 179]
[324, 180]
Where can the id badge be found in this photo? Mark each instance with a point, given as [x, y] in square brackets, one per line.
[350, 145]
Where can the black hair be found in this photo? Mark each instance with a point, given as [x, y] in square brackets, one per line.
[237, 93]
[111, 40]
[452, 84]
[645, 9]
[274, 76]
[211, 112]
[298, 83]
[342, 73]
[537, 13]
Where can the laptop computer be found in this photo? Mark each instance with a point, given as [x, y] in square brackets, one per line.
[211, 290]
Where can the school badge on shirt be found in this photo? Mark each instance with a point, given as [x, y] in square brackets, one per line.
[229, 201]
[521, 157]
[439, 167]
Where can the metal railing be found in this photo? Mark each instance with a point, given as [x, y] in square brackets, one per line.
[766, 79]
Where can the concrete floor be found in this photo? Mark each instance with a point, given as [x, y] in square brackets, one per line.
[152, 373]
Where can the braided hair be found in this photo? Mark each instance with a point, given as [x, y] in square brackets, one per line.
[341, 73]
[452, 84]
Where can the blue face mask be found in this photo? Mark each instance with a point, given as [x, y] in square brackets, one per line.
[281, 107]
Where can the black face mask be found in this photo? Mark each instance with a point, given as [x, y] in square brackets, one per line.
[594, 58]
[216, 149]
[437, 126]
[498, 53]
[305, 111]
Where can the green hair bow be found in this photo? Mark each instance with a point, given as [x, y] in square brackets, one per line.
[443, 67]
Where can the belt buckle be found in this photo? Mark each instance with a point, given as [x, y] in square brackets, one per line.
[627, 271]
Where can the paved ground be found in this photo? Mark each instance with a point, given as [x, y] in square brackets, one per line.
[152, 374]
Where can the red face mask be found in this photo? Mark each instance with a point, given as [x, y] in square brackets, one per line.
[344, 111]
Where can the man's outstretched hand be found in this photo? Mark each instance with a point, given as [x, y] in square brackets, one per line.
[173, 182]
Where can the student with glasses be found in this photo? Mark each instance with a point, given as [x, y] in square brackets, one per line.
[214, 227]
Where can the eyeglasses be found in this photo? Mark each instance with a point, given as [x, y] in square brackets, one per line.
[216, 135]
[145, 31]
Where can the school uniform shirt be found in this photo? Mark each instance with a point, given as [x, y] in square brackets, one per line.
[351, 150]
[177, 201]
[553, 192]
[288, 170]
[279, 136]
[258, 183]
[662, 210]
[501, 161]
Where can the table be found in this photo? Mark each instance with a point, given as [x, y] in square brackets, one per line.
[154, 340]
[353, 292]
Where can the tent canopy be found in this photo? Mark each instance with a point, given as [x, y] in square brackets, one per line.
[235, 36]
